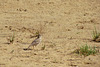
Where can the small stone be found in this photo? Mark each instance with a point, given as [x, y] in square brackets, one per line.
[6, 26]
[25, 10]
[80, 27]
[38, 3]
[68, 29]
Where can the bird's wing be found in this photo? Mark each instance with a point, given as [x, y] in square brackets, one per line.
[35, 42]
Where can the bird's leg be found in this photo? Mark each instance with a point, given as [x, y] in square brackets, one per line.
[33, 47]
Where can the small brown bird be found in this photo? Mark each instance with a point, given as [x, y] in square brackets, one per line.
[36, 41]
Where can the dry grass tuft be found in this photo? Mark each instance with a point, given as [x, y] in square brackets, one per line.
[11, 39]
[95, 35]
[86, 50]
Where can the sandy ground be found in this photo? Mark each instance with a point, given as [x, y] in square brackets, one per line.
[66, 25]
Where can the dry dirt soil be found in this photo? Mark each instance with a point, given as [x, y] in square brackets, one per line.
[65, 24]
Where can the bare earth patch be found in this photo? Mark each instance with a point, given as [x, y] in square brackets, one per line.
[66, 25]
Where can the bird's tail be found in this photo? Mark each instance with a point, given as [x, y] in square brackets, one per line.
[29, 46]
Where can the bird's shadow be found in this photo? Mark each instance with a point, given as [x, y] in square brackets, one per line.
[27, 49]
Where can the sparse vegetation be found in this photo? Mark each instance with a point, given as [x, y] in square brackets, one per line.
[86, 50]
[43, 47]
[95, 34]
[11, 39]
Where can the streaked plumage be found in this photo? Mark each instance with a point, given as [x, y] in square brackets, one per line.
[36, 41]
